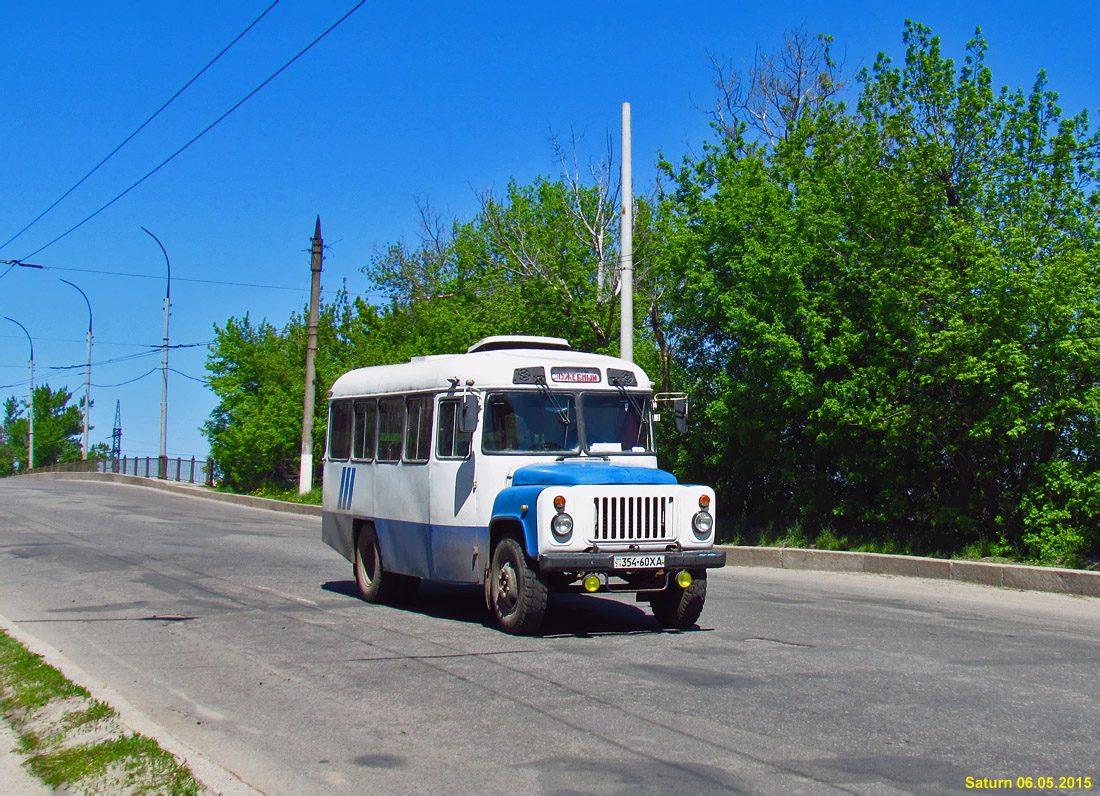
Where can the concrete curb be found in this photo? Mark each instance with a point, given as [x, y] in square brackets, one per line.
[1012, 576]
[190, 489]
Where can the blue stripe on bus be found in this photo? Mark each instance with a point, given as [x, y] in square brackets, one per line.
[347, 487]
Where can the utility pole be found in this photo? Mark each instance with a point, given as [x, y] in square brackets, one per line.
[30, 414]
[163, 466]
[87, 373]
[626, 249]
[305, 472]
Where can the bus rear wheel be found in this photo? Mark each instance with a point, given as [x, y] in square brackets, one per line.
[678, 608]
[518, 595]
[376, 585]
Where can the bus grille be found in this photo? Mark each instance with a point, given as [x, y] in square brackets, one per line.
[633, 518]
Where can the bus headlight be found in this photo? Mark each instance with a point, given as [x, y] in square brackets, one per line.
[561, 526]
[702, 523]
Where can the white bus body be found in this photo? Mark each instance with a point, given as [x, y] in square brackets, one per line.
[521, 465]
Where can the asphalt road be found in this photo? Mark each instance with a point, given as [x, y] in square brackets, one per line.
[238, 631]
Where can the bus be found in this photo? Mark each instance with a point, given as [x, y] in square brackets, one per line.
[522, 466]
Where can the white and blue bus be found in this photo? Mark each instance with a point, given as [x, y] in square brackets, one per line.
[521, 465]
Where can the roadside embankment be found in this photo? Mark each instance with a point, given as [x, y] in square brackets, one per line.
[1011, 576]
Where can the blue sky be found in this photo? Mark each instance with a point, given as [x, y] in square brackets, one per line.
[402, 102]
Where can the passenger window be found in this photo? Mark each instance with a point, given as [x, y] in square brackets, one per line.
[391, 428]
[339, 430]
[418, 429]
[366, 430]
[451, 441]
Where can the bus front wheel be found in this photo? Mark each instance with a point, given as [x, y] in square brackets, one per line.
[679, 608]
[376, 585]
[518, 595]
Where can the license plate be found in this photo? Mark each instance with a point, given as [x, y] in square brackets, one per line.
[639, 562]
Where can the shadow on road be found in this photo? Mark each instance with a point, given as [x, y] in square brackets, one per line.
[568, 615]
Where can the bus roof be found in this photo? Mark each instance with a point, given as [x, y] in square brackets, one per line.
[493, 369]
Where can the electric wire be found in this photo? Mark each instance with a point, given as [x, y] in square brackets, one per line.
[130, 381]
[205, 130]
[304, 289]
[186, 376]
[158, 346]
[138, 130]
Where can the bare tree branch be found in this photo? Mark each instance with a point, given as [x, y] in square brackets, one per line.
[777, 89]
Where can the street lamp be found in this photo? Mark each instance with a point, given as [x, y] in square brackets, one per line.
[30, 416]
[87, 373]
[164, 360]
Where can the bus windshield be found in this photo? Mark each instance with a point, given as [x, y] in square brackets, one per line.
[547, 422]
[531, 421]
[616, 423]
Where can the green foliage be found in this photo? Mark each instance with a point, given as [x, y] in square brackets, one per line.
[135, 763]
[258, 374]
[893, 316]
[27, 682]
[58, 428]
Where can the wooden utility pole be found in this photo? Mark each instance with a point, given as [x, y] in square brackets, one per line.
[305, 473]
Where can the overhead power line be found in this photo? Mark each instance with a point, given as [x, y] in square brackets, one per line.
[13, 263]
[157, 346]
[205, 130]
[141, 127]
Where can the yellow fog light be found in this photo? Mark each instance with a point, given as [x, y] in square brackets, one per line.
[591, 583]
[683, 579]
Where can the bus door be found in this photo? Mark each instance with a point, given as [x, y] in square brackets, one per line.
[458, 548]
[401, 484]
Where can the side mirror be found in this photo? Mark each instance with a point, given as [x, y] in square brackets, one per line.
[470, 409]
[680, 413]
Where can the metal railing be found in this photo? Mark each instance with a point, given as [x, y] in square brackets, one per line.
[191, 471]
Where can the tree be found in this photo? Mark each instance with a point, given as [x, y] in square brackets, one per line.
[777, 90]
[258, 374]
[57, 430]
[893, 313]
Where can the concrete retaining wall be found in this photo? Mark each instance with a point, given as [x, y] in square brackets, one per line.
[1013, 576]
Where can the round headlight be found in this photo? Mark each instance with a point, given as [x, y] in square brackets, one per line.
[561, 525]
[702, 523]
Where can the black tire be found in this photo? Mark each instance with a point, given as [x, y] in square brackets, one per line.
[677, 608]
[376, 585]
[517, 594]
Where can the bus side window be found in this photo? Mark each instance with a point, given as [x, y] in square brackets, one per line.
[451, 441]
[418, 430]
[366, 430]
[391, 428]
[339, 430]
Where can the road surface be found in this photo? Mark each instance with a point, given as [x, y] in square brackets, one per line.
[239, 631]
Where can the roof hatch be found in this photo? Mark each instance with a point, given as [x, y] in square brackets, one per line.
[510, 342]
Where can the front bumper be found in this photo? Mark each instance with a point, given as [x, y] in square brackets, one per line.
[605, 562]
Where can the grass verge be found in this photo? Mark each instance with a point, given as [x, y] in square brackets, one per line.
[281, 492]
[74, 741]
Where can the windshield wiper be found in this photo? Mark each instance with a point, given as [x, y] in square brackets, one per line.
[561, 411]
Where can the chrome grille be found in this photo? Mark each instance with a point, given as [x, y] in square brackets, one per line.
[633, 519]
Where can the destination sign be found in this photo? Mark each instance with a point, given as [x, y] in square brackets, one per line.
[575, 375]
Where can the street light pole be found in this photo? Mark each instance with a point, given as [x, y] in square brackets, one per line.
[30, 414]
[164, 363]
[87, 373]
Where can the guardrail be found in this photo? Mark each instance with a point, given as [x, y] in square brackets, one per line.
[188, 471]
